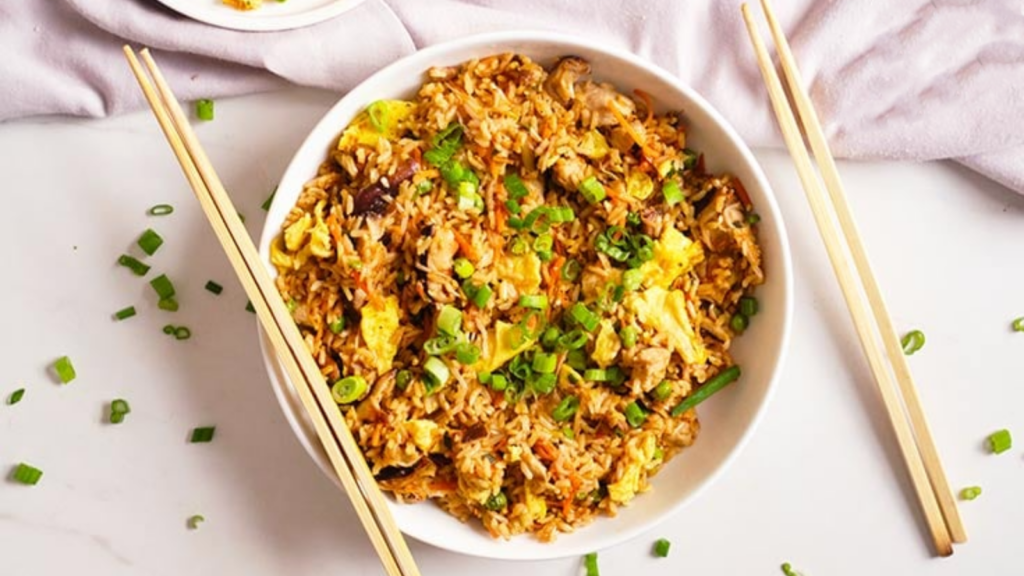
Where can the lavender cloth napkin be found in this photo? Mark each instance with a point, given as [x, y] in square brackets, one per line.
[909, 80]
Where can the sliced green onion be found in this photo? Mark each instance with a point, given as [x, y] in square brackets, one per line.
[483, 377]
[543, 243]
[672, 192]
[584, 317]
[15, 396]
[403, 379]
[544, 383]
[241, 217]
[516, 224]
[635, 415]
[518, 246]
[348, 389]
[662, 391]
[466, 353]
[133, 264]
[970, 493]
[1018, 325]
[544, 363]
[496, 502]
[538, 220]
[214, 287]
[689, 158]
[571, 270]
[118, 409]
[163, 286]
[482, 296]
[535, 301]
[270, 200]
[753, 218]
[725, 377]
[125, 313]
[182, 333]
[463, 268]
[748, 306]
[468, 199]
[65, 371]
[592, 190]
[515, 187]
[549, 339]
[628, 335]
[449, 320]
[560, 214]
[440, 345]
[338, 325]
[169, 329]
[379, 116]
[498, 382]
[631, 279]
[455, 174]
[590, 563]
[568, 433]
[150, 241]
[565, 409]
[249, 308]
[1000, 441]
[436, 373]
[632, 218]
[446, 142]
[168, 304]
[576, 359]
[160, 210]
[739, 322]
[912, 342]
[513, 206]
[28, 475]
[788, 570]
[292, 305]
[612, 374]
[204, 109]
[195, 520]
[203, 434]
[573, 340]
[661, 547]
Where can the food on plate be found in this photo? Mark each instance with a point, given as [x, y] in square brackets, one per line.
[519, 282]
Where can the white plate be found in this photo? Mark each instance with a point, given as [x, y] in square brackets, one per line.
[727, 421]
[273, 15]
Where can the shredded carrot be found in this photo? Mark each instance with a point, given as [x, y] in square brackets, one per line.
[647, 103]
[365, 287]
[545, 450]
[467, 248]
[629, 129]
[742, 193]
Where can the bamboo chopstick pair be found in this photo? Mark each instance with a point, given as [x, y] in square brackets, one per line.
[858, 282]
[337, 440]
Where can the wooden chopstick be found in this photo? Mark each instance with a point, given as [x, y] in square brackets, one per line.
[827, 167]
[851, 287]
[341, 448]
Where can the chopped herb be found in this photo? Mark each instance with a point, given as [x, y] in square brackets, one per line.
[970, 493]
[65, 371]
[203, 434]
[482, 296]
[380, 118]
[160, 210]
[150, 242]
[182, 333]
[571, 270]
[1000, 441]
[672, 192]
[739, 322]
[515, 187]
[466, 353]
[125, 313]
[592, 190]
[270, 200]
[565, 409]
[689, 158]
[748, 306]
[349, 389]
[25, 474]
[498, 382]
[440, 345]
[496, 502]
[463, 268]
[169, 329]
[713, 385]
[204, 109]
[635, 415]
[449, 320]
[544, 363]
[513, 207]
[436, 374]
[584, 317]
[163, 286]
[133, 264]
[214, 287]
[1018, 325]
[661, 547]
[338, 325]
[118, 409]
[662, 391]
[15, 396]
[753, 218]
[912, 342]
[543, 383]
[535, 301]
[445, 144]
[249, 308]
[168, 304]
[196, 519]
[573, 340]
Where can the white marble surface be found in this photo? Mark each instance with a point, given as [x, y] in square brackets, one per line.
[820, 485]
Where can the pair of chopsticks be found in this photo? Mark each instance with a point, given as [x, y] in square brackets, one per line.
[305, 376]
[914, 438]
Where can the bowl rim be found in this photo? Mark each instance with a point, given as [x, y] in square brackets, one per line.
[504, 40]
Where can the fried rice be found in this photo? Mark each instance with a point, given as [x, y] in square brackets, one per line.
[515, 278]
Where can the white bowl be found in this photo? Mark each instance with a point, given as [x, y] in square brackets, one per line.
[727, 420]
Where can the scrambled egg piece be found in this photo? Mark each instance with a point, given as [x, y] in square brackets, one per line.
[593, 145]
[606, 345]
[674, 255]
[362, 131]
[567, 376]
[379, 327]
[665, 311]
[499, 342]
[295, 237]
[425, 434]
[295, 233]
[523, 272]
[535, 505]
[280, 257]
[628, 484]
[320, 236]
[639, 185]
[514, 453]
